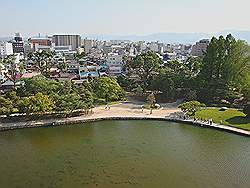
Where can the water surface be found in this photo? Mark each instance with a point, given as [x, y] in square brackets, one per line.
[138, 154]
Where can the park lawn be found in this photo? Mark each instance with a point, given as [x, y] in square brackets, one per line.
[231, 117]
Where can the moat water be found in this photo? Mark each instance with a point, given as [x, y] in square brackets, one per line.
[136, 154]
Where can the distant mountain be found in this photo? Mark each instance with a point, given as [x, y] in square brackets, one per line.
[3, 39]
[185, 38]
[162, 37]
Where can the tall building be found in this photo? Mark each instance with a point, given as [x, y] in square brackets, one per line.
[17, 44]
[18, 37]
[74, 41]
[6, 49]
[200, 48]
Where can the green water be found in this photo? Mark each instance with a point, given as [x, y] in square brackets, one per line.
[136, 154]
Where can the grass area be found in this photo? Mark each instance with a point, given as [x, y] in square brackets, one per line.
[231, 117]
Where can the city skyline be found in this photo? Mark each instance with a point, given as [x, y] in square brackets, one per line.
[140, 17]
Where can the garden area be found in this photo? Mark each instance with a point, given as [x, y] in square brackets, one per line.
[230, 117]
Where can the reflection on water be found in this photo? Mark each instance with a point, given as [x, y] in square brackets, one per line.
[124, 154]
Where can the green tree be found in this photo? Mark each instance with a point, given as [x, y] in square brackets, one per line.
[43, 60]
[24, 105]
[14, 73]
[167, 81]
[138, 90]
[107, 88]
[246, 109]
[12, 96]
[177, 66]
[6, 106]
[126, 82]
[38, 103]
[69, 102]
[193, 65]
[151, 101]
[39, 84]
[62, 65]
[144, 67]
[67, 87]
[78, 56]
[86, 94]
[224, 69]
[246, 88]
[191, 107]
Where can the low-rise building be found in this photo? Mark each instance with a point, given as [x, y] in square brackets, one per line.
[39, 43]
[62, 49]
[115, 63]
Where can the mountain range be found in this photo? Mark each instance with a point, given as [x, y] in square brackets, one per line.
[184, 38]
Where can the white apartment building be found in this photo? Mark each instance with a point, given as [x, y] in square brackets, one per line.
[115, 64]
[6, 49]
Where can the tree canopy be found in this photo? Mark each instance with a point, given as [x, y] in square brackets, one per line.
[43, 60]
[191, 107]
[145, 67]
[107, 88]
[225, 68]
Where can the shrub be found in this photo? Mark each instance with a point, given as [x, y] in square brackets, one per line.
[191, 107]
[246, 109]
[100, 101]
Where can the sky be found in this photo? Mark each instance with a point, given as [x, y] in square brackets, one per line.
[122, 17]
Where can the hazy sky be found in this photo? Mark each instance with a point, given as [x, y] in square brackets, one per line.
[122, 17]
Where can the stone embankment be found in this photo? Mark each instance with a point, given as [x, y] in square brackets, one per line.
[70, 121]
[211, 125]
[123, 111]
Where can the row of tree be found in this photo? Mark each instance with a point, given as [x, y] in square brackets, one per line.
[41, 95]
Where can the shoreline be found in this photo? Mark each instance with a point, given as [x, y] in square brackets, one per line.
[65, 121]
[122, 111]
